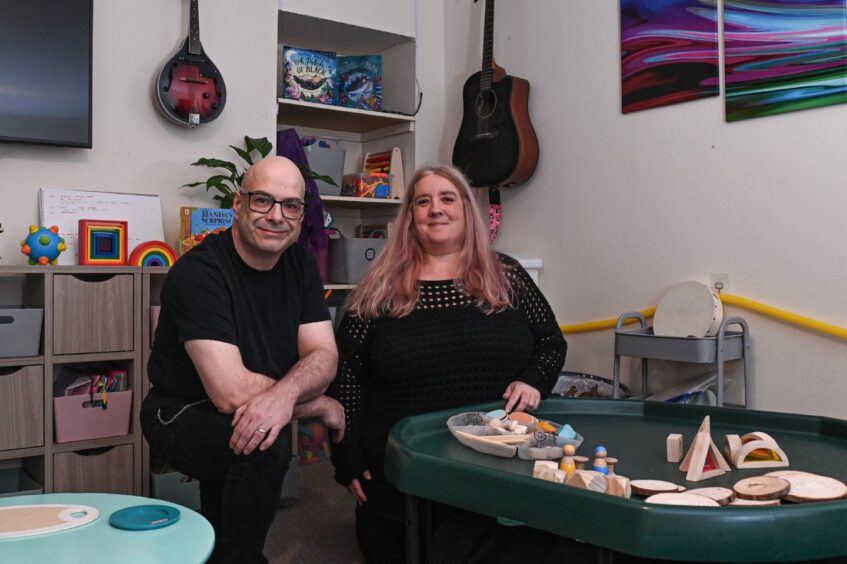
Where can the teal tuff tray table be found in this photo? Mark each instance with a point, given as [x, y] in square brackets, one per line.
[427, 463]
[190, 540]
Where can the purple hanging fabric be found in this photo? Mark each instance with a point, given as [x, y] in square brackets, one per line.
[312, 236]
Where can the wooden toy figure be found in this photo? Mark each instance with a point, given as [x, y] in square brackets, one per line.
[600, 464]
[568, 464]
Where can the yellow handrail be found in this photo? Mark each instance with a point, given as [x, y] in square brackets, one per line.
[727, 299]
[605, 324]
[783, 315]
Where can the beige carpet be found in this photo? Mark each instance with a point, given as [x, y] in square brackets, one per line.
[316, 527]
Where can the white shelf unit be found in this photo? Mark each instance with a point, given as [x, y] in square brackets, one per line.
[357, 131]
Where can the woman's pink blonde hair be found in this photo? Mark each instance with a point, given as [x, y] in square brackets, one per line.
[390, 287]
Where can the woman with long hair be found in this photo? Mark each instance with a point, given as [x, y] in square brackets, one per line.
[439, 321]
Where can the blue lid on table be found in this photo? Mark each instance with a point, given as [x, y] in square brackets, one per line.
[144, 517]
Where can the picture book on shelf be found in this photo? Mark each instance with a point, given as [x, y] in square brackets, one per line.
[360, 81]
[309, 75]
[196, 223]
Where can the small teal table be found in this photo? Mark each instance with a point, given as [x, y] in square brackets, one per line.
[190, 540]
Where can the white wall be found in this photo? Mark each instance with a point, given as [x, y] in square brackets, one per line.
[134, 148]
[385, 15]
[430, 55]
[622, 207]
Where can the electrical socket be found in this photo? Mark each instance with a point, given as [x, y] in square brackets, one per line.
[720, 282]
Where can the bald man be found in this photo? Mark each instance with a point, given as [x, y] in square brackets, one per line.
[243, 345]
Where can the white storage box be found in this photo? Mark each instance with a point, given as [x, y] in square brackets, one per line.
[349, 259]
[176, 487]
[20, 331]
[326, 158]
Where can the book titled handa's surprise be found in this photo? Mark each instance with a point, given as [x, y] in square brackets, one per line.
[196, 223]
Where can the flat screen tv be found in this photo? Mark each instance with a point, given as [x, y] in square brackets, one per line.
[45, 71]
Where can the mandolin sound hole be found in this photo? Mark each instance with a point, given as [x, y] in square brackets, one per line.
[486, 103]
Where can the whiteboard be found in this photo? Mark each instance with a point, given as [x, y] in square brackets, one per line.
[64, 208]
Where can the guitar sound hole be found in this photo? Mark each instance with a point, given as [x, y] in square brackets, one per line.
[486, 102]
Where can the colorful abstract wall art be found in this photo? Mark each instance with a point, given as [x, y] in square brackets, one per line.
[669, 52]
[783, 55]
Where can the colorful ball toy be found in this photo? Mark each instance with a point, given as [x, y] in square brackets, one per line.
[43, 245]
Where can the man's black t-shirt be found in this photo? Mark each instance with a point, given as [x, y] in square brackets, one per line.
[210, 293]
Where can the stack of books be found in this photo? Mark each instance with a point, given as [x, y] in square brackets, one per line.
[322, 77]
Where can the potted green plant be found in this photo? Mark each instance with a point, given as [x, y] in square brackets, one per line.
[228, 183]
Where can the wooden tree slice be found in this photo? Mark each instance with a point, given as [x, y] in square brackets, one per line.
[810, 487]
[756, 503]
[722, 495]
[682, 499]
[651, 487]
[783, 473]
[761, 487]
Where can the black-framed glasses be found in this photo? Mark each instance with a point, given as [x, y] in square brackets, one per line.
[292, 208]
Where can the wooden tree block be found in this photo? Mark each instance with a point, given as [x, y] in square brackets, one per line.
[618, 486]
[761, 488]
[732, 445]
[547, 470]
[724, 496]
[682, 499]
[756, 503]
[674, 447]
[589, 480]
[806, 487]
[651, 487]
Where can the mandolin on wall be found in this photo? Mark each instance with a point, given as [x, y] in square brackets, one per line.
[190, 90]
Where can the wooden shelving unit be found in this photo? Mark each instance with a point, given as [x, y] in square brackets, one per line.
[91, 316]
[357, 131]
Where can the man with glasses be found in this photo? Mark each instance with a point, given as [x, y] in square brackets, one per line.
[243, 345]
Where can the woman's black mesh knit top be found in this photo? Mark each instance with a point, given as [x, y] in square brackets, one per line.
[447, 353]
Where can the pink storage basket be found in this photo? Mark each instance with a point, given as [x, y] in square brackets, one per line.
[75, 422]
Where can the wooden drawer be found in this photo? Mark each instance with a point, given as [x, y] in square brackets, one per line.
[21, 407]
[92, 313]
[94, 471]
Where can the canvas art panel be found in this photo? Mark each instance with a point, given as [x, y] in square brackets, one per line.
[669, 52]
[783, 56]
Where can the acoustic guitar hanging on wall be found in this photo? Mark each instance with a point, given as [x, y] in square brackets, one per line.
[190, 90]
[496, 145]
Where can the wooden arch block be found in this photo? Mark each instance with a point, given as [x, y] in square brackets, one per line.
[759, 450]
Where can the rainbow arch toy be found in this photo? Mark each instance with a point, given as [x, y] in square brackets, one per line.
[152, 253]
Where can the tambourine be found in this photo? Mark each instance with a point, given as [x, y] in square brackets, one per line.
[690, 309]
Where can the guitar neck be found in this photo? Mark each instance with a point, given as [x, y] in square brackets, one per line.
[487, 47]
[194, 29]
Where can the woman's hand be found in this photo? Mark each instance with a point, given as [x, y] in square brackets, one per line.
[520, 396]
[355, 488]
